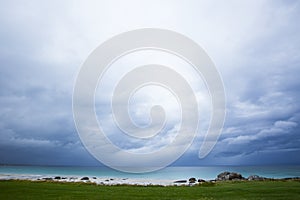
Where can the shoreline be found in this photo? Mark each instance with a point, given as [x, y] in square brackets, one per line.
[109, 181]
[168, 173]
[89, 179]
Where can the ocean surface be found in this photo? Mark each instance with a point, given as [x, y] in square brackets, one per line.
[171, 173]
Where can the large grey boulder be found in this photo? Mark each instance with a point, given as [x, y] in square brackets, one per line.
[192, 180]
[201, 180]
[228, 176]
[256, 178]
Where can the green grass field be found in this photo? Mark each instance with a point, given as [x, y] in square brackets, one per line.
[221, 190]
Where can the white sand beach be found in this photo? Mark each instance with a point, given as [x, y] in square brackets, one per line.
[97, 180]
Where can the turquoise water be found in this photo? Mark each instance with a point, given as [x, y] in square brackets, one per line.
[172, 173]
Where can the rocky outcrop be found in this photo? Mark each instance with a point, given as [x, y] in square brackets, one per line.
[192, 180]
[47, 179]
[228, 176]
[180, 181]
[85, 178]
[255, 178]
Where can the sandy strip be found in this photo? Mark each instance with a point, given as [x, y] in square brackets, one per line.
[97, 180]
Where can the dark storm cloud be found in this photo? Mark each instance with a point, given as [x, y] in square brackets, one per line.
[36, 125]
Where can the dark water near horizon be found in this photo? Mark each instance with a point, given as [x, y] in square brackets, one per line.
[204, 172]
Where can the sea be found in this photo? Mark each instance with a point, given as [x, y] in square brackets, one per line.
[170, 173]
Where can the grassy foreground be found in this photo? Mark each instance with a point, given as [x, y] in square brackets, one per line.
[222, 190]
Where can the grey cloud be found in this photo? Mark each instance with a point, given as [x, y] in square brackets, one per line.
[255, 47]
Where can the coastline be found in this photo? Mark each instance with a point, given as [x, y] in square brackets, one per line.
[109, 181]
[178, 175]
[168, 173]
[88, 179]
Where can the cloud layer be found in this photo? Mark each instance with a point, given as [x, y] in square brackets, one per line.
[254, 44]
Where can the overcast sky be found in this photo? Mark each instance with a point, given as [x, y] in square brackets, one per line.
[255, 46]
